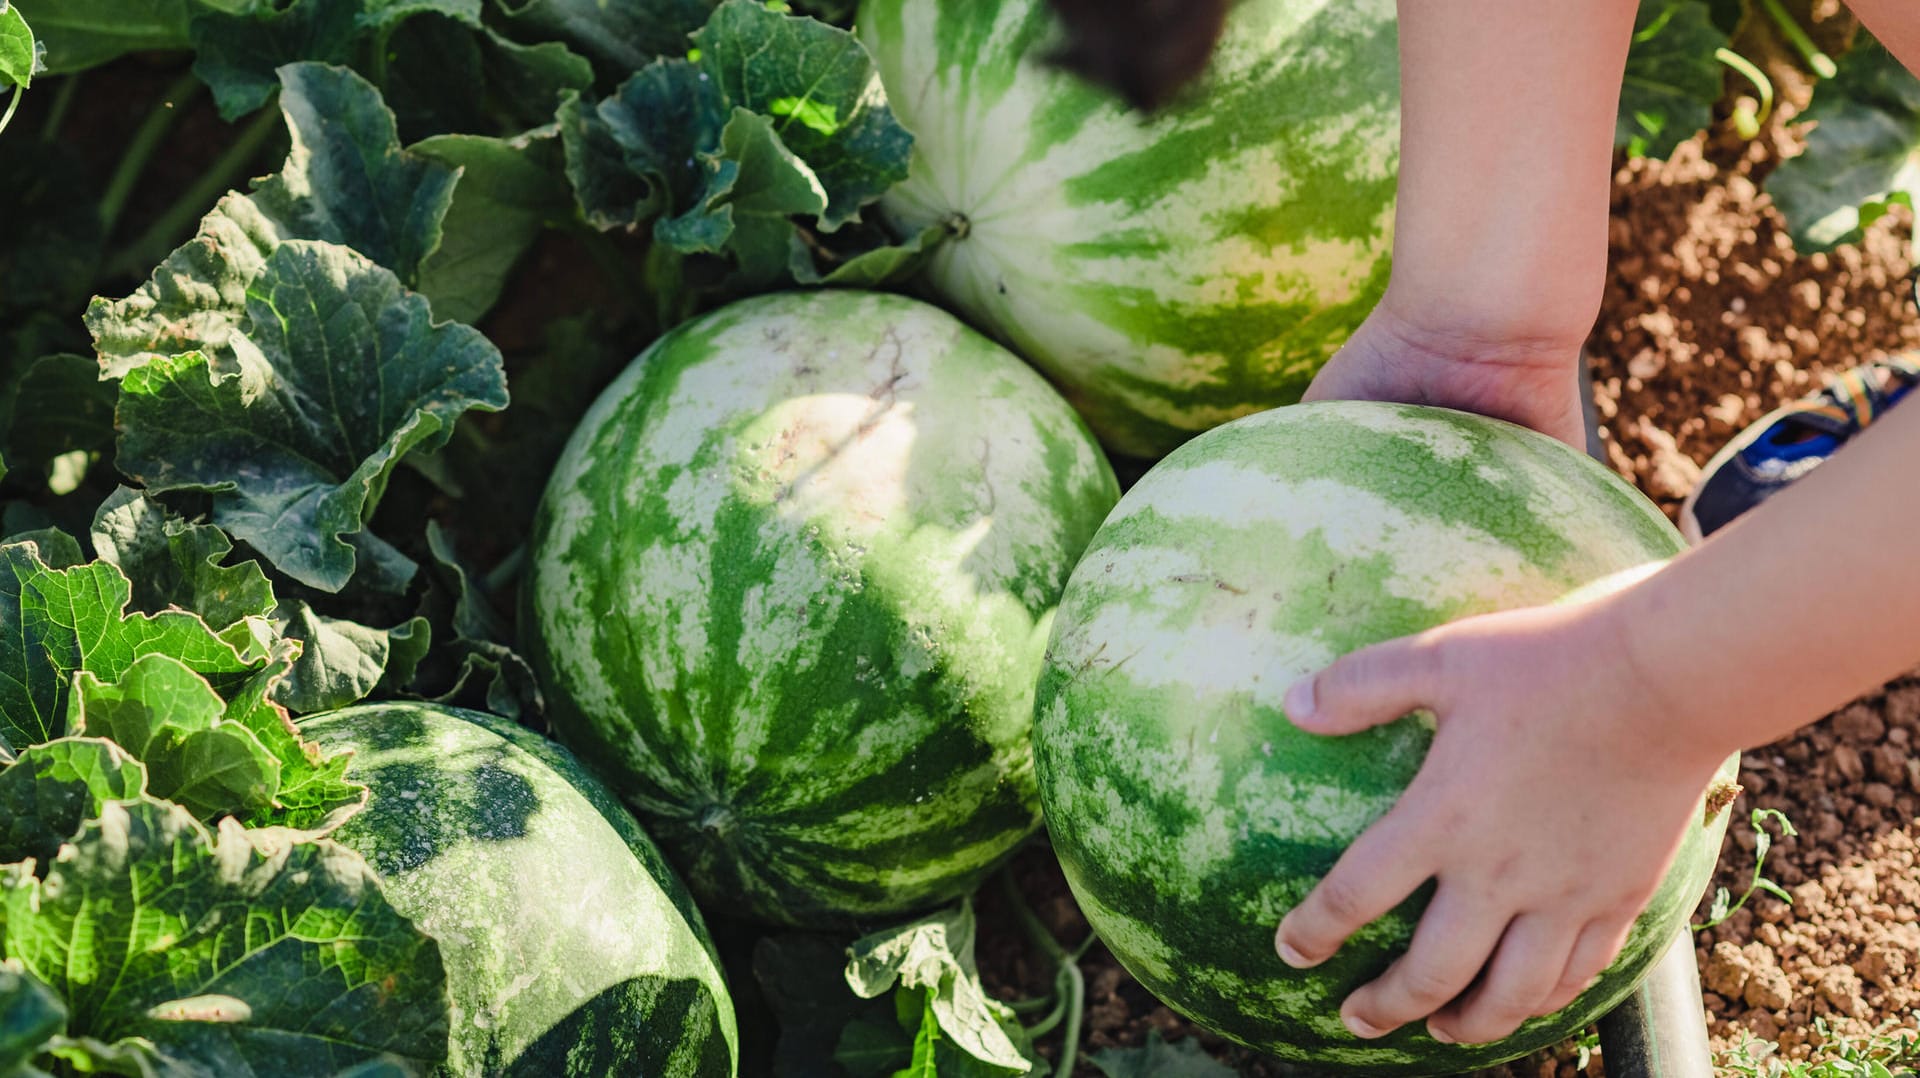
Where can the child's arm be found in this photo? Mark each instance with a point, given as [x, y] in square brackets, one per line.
[1501, 243]
[1574, 742]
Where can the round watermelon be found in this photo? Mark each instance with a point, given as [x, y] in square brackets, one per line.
[571, 947]
[790, 586]
[1169, 273]
[1189, 814]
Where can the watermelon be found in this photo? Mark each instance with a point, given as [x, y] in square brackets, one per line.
[1189, 814]
[1170, 273]
[571, 947]
[790, 588]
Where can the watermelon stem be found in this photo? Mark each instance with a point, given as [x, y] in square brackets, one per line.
[1069, 984]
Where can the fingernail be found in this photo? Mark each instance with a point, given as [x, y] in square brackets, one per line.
[1440, 1035]
[1299, 700]
[1360, 1028]
[1292, 957]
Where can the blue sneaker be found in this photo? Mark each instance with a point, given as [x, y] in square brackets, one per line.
[1792, 441]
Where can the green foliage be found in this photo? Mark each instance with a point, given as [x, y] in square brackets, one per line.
[241, 953]
[20, 52]
[1763, 842]
[1673, 77]
[340, 374]
[770, 139]
[934, 956]
[1890, 1052]
[1862, 155]
[1158, 1059]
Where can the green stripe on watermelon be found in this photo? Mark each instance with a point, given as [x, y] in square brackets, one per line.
[791, 585]
[1189, 814]
[1173, 273]
[571, 947]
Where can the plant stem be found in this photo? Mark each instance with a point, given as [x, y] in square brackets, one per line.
[1820, 63]
[62, 104]
[13, 105]
[1069, 984]
[1761, 84]
[146, 141]
[163, 235]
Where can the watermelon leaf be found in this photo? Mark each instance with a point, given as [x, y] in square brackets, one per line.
[245, 953]
[623, 35]
[69, 620]
[1159, 1059]
[346, 181]
[935, 955]
[341, 373]
[172, 721]
[509, 191]
[238, 52]
[342, 662]
[1862, 155]
[1672, 78]
[173, 564]
[773, 133]
[53, 788]
[56, 406]
[80, 34]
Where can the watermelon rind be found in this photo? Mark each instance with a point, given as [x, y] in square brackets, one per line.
[1169, 272]
[1189, 814]
[790, 588]
[571, 947]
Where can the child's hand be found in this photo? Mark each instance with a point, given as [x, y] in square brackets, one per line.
[1552, 802]
[1418, 360]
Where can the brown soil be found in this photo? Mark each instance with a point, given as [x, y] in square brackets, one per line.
[1711, 319]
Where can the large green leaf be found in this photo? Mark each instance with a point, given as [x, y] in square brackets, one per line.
[510, 189]
[54, 788]
[1862, 154]
[342, 662]
[19, 52]
[237, 53]
[174, 564]
[62, 621]
[346, 181]
[341, 373]
[623, 35]
[1672, 77]
[56, 406]
[252, 954]
[80, 34]
[172, 721]
[817, 85]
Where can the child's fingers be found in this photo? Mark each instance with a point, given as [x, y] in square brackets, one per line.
[1595, 949]
[1381, 868]
[1365, 688]
[1457, 935]
[1526, 968]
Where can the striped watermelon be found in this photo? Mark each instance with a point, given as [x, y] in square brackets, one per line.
[1190, 815]
[791, 585]
[1170, 275]
[571, 948]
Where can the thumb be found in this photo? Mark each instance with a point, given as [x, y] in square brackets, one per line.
[1367, 688]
